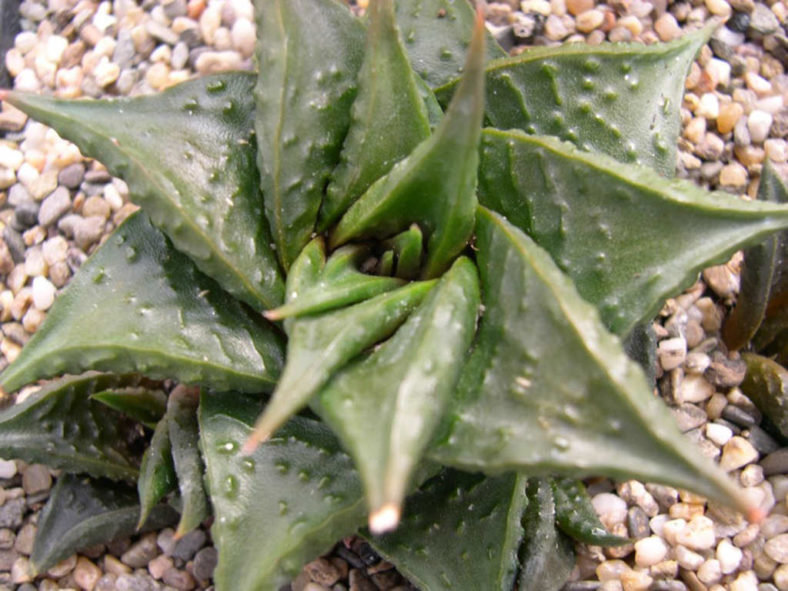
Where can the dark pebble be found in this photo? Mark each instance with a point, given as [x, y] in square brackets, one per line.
[725, 373]
[360, 582]
[12, 512]
[141, 553]
[762, 22]
[365, 552]
[761, 440]
[179, 579]
[349, 556]
[99, 177]
[136, 582]
[387, 579]
[321, 571]
[26, 214]
[776, 462]
[739, 21]
[637, 523]
[188, 545]
[205, 563]
[738, 416]
[16, 246]
[93, 189]
[72, 175]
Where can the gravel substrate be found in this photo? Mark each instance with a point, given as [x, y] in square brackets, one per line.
[56, 207]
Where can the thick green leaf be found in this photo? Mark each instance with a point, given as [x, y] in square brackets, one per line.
[187, 157]
[627, 237]
[309, 54]
[82, 512]
[143, 307]
[436, 35]
[436, 185]
[329, 284]
[145, 403]
[385, 407]
[547, 555]
[157, 473]
[575, 515]
[279, 507]
[185, 443]
[459, 531]
[619, 99]
[549, 390]
[389, 117]
[766, 384]
[407, 247]
[62, 427]
[320, 345]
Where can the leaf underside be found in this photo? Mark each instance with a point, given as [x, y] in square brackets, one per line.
[151, 312]
[187, 157]
[263, 531]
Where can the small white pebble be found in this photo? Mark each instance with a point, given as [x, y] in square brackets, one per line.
[649, 551]
[43, 293]
[781, 577]
[709, 106]
[611, 509]
[7, 468]
[698, 534]
[672, 352]
[758, 84]
[709, 572]
[737, 452]
[671, 530]
[759, 123]
[777, 548]
[746, 581]
[729, 556]
[719, 434]
[688, 559]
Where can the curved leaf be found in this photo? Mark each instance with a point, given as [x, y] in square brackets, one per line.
[766, 384]
[547, 555]
[407, 247]
[184, 441]
[388, 119]
[61, 426]
[384, 407]
[82, 512]
[187, 157]
[549, 390]
[320, 345]
[338, 282]
[145, 404]
[263, 531]
[436, 185]
[309, 54]
[627, 237]
[150, 312]
[157, 472]
[575, 515]
[459, 531]
[619, 99]
[436, 35]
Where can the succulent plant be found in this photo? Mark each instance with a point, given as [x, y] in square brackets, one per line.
[376, 310]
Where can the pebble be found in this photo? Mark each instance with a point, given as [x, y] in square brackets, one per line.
[610, 508]
[36, 478]
[777, 548]
[188, 545]
[86, 574]
[758, 124]
[141, 553]
[697, 534]
[650, 551]
[205, 562]
[737, 452]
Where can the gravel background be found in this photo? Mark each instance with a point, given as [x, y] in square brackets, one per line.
[56, 207]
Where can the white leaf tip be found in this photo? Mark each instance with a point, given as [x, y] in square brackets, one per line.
[384, 519]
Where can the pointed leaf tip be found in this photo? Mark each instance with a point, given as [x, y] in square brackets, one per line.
[384, 519]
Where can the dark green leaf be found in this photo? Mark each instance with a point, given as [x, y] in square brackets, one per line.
[764, 266]
[82, 512]
[435, 186]
[320, 345]
[407, 248]
[184, 440]
[145, 403]
[627, 237]
[547, 555]
[459, 531]
[575, 515]
[766, 384]
[622, 100]
[549, 390]
[187, 157]
[62, 427]
[436, 35]
[385, 407]
[389, 117]
[145, 308]
[157, 473]
[279, 507]
[309, 54]
[332, 284]
[640, 345]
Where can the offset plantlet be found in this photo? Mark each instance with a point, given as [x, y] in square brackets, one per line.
[448, 300]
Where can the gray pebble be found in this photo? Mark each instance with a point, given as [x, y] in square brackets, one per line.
[136, 582]
[188, 545]
[124, 50]
[12, 512]
[667, 586]
[17, 195]
[179, 579]
[637, 523]
[26, 214]
[36, 479]
[126, 81]
[688, 416]
[162, 33]
[54, 206]
[166, 541]
[725, 373]
[25, 538]
[762, 21]
[141, 553]
[88, 231]
[581, 586]
[7, 559]
[760, 440]
[205, 563]
[738, 416]
[107, 582]
[72, 175]
[776, 462]
[174, 8]
[180, 55]
[15, 244]
[7, 538]
[98, 176]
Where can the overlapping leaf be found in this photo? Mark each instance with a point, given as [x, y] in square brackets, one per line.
[619, 99]
[157, 472]
[627, 237]
[436, 185]
[389, 117]
[62, 427]
[309, 54]
[187, 158]
[575, 515]
[82, 512]
[145, 403]
[384, 408]
[264, 531]
[150, 312]
[436, 34]
[548, 389]
[459, 531]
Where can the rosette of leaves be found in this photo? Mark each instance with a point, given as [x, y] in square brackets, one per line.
[379, 311]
